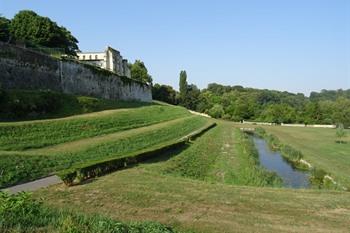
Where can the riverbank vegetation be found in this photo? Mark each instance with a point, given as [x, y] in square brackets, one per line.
[316, 146]
[223, 155]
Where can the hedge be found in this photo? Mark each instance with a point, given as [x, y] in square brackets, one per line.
[78, 174]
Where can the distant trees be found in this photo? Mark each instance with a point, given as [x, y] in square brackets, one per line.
[139, 72]
[35, 30]
[164, 93]
[238, 103]
[217, 111]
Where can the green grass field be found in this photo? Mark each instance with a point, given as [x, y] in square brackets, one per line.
[140, 194]
[212, 184]
[319, 147]
[203, 188]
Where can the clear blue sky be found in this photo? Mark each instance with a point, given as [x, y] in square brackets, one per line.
[295, 45]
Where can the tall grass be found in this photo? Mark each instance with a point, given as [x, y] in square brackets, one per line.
[20, 167]
[250, 170]
[26, 135]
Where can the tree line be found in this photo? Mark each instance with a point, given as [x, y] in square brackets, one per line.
[237, 103]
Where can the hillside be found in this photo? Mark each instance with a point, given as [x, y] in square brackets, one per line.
[47, 146]
[212, 183]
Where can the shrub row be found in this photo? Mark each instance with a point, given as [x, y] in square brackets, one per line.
[86, 171]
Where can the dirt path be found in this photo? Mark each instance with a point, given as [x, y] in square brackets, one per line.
[34, 185]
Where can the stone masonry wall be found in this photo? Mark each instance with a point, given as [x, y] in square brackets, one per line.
[25, 69]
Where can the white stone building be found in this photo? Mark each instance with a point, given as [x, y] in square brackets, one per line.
[110, 60]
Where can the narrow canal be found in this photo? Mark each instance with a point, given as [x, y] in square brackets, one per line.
[273, 161]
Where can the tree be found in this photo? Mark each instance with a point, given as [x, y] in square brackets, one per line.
[192, 97]
[35, 30]
[139, 72]
[217, 111]
[183, 86]
[340, 133]
[4, 29]
[164, 93]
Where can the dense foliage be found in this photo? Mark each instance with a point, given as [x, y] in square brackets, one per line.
[139, 72]
[237, 103]
[35, 30]
[164, 93]
[21, 213]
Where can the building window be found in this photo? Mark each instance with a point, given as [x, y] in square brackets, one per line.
[90, 57]
[95, 57]
[83, 57]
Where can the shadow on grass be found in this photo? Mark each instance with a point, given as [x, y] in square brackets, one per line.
[165, 156]
[341, 142]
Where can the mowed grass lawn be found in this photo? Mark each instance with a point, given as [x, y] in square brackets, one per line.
[190, 189]
[139, 194]
[319, 148]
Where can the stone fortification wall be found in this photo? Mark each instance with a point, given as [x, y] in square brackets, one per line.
[25, 69]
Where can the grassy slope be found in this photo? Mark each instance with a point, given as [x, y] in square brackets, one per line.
[44, 133]
[19, 167]
[221, 155]
[139, 194]
[144, 193]
[319, 148]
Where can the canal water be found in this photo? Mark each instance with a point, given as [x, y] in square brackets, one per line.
[273, 161]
